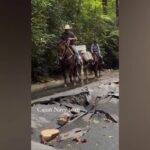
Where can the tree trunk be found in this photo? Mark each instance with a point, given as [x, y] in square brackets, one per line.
[79, 7]
[104, 3]
[117, 12]
[117, 8]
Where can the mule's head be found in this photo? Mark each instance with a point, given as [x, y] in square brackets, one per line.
[60, 50]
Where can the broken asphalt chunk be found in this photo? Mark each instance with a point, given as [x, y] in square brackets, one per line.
[63, 119]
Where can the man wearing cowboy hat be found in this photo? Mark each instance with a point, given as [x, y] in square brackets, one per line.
[70, 39]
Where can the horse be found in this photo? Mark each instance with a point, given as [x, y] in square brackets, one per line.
[67, 61]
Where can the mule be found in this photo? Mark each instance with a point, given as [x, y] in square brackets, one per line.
[83, 68]
[68, 62]
[97, 64]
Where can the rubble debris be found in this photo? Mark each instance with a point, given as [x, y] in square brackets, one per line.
[83, 140]
[107, 115]
[78, 105]
[74, 134]
[48, 134]
[114, 94]
[75, 110]
[95, 121]
[79, 140]
[106, 120]
[115, 117]
[63, 119]
[80, 99]
[116, 82]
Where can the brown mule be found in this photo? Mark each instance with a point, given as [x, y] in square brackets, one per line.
[68, 62]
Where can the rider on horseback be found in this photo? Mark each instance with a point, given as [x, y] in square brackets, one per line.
[95, 49]
[70, 38]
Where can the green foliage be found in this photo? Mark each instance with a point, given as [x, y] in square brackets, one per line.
[88, 21]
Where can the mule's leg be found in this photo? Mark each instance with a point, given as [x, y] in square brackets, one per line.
[75, 75]
[86, 74]
[82, 74]
[65, 77]
[70, 77]
[95, 71]
[78, 70]
[99, 70]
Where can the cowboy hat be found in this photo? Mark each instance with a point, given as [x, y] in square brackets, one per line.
[67, 26]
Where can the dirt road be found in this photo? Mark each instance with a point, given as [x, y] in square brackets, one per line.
[55, 85]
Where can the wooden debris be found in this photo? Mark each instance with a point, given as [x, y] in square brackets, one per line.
[48, 134]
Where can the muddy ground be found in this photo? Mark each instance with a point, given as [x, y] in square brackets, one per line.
[102, 132]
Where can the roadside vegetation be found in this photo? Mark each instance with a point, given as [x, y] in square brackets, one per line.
[90, 19]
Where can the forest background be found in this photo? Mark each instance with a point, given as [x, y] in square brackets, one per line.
[90, 20]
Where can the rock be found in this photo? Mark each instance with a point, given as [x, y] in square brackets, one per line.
[74, 134]
[75, 110]
[78, 140]
[48, 134]
[115, 117]
[63, 119]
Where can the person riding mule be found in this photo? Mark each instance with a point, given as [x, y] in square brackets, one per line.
[95, 50]
[67, 55]
[69, 38]
[98, 62]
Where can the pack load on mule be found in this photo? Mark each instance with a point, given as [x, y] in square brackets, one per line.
[82, 50]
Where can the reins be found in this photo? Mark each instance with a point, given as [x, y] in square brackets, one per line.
[65, 52]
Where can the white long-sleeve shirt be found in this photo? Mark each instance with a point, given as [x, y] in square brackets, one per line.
[96, 48]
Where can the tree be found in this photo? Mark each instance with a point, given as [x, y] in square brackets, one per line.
[104, 3]
[117, 11]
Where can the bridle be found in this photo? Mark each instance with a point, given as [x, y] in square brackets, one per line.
[65, 51]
